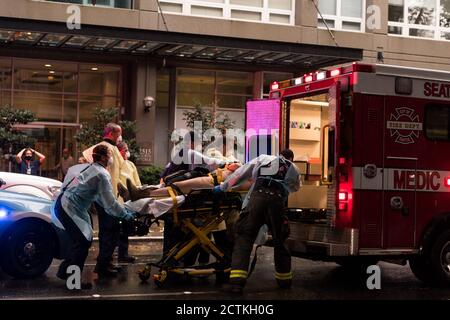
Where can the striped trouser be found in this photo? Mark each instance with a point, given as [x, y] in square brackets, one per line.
[264, 207]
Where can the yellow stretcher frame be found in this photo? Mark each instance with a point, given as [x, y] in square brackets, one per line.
[200, 237]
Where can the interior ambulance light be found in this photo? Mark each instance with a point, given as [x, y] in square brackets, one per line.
[275, 86]
[335, 72]
[343, 196]
[298, 81]
[308, 78]
[321, 75]
[447, 181]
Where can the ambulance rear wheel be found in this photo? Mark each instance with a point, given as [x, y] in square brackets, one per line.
[440, 260]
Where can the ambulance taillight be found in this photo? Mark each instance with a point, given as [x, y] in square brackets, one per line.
[343, 196]
[274, 86]
[447, 181]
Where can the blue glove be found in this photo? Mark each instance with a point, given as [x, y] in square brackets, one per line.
[217, 190]
[131, 215]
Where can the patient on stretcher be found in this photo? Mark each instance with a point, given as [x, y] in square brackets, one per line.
[207, 181]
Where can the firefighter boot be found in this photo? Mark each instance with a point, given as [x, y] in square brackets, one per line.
[238, 278]
[136, 193]
[284, 284]
[284, 280]
[236, 287]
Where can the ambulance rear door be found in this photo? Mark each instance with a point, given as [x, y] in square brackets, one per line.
[403, 139]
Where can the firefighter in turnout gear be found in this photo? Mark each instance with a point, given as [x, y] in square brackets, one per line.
[274, 178]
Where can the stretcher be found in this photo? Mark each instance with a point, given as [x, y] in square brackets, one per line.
[201, 213]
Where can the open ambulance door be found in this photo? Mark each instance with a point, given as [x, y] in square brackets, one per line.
[330, 151]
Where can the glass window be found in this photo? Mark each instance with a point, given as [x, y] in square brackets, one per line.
[395, 10]
[70, 109]
[281, 18]
[172, 7]
[351, 8]
[98, 79]
[235, 82]
[280, 4]
[47, 106]
[251, 3]
[437, 122]
[422, 12]
[434, 14]
[421, 33]
[445, 14]
[205, 11]
[341, 14]
[327, 6]
[42, 75]
[225, 88]
[86, 108]
[213, 1]
[195, 86]
[245, 15]
[354, 26]
[232, 101]
[5, 98]
[5, 73]
[37, 80]
[108, 3]
[268, 11]
[162, 88]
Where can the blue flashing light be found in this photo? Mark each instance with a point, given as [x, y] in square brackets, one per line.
[3, 213]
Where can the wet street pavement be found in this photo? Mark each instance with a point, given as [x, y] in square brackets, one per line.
[312, 281]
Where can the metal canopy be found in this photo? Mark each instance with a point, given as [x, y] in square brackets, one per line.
[109, 40]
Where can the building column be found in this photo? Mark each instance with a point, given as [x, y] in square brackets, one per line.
[377, 11]
[144, 84]
[305, 13]
[258, 82]
[147, 5]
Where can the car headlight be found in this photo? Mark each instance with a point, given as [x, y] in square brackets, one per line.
[3, 212]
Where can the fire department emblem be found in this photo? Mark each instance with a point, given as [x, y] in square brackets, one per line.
[404, 125]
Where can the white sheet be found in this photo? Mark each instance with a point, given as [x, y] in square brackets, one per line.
[156, 207]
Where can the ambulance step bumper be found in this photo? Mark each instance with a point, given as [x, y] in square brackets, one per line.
[315, 239]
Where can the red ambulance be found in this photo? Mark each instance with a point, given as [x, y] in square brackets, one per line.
[373, 145]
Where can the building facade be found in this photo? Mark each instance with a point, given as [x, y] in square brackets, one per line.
[61, 59]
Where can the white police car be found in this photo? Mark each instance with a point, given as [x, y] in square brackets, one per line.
[28, 240]
[28, 184]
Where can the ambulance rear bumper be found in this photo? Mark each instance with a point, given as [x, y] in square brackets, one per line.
[322, 240]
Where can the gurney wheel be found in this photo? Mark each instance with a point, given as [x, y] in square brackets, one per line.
[160, 278]
[145, 273]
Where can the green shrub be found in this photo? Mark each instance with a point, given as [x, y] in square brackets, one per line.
[150, 175]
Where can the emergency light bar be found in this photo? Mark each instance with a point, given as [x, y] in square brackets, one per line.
[322, 75]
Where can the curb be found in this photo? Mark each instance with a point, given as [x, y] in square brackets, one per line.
[136, 239]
